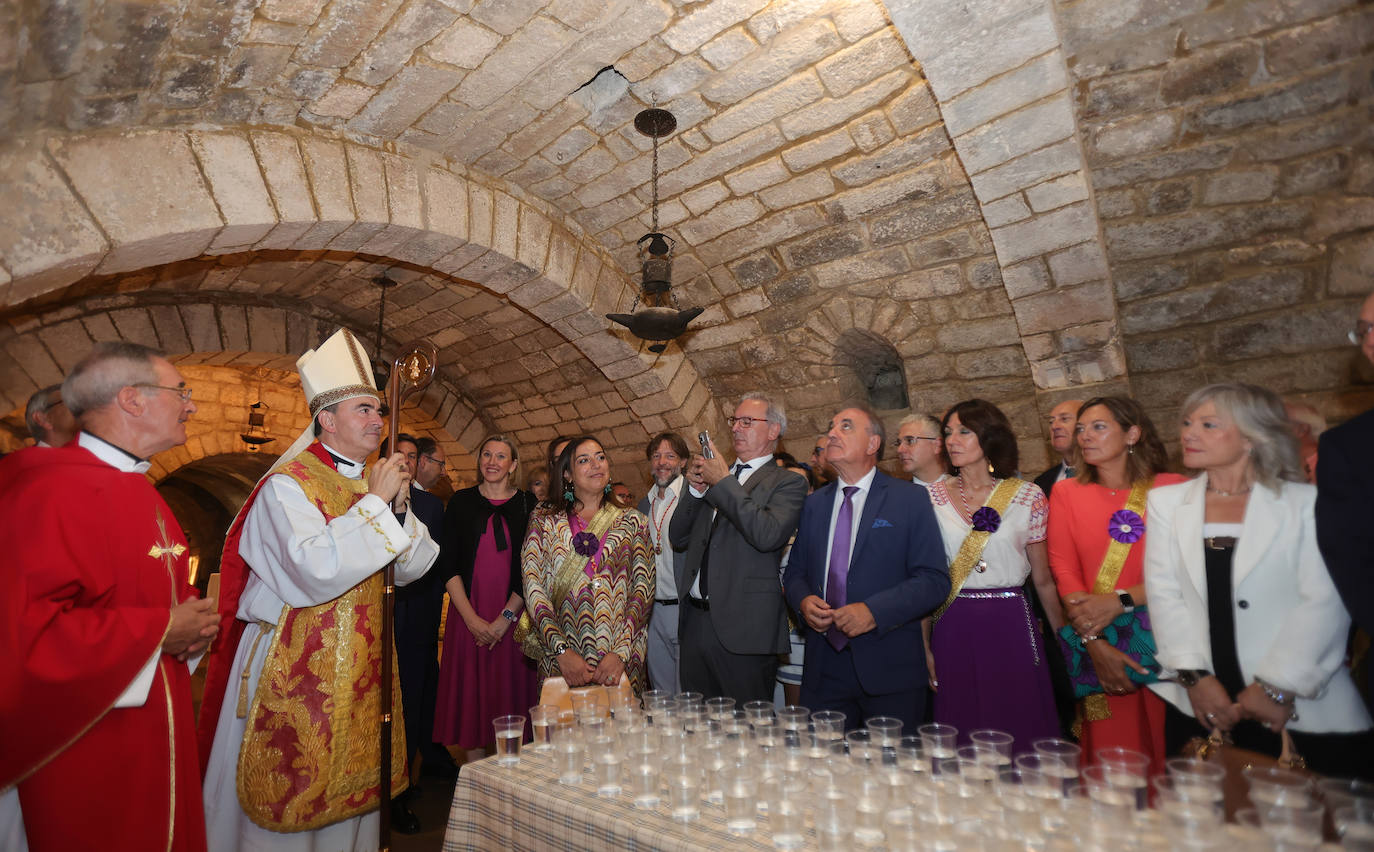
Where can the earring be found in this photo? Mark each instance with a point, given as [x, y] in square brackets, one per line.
[1130, 449]
[568, 495]
[990, 472]
[607, 489]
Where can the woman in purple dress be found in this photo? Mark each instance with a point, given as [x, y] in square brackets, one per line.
[483, 673]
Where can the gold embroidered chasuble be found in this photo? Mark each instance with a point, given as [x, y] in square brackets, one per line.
[310, 751]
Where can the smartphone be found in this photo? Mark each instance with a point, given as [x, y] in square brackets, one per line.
[704, 438]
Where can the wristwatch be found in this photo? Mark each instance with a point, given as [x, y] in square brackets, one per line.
[1188, 678]
[509, 616]
[1127, 602]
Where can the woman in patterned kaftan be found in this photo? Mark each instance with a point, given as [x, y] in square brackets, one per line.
[589, 576]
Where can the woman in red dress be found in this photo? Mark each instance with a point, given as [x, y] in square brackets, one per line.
[483, 673]
[1116, 447]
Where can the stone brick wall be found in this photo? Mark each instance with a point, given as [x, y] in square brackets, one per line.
[1231, 161]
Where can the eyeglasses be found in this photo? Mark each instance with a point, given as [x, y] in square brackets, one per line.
[1361, 331]
[746, 422]
[910, 440]
[183, 391]
[443, 465]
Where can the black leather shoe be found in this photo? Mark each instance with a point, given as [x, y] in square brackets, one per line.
[403, 819]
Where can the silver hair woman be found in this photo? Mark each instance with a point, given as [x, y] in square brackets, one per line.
[1244, 611]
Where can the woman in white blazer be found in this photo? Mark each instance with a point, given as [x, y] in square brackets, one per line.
[1244, 613]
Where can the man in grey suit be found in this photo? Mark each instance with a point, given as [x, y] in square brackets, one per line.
[667, 454]
[733, 524]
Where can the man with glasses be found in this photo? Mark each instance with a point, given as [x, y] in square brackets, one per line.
[921, 449]
[50, 422]
[433, 464]
[1345, 504]
[1063, 422]
[733, 523]
[101, 625]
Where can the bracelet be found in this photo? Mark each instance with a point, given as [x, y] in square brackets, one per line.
[1275, 694]
[1092, 637]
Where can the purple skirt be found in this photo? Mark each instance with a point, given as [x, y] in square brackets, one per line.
[991, 667]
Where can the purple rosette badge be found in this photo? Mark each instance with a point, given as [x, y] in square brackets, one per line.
[585, 544]
[986, 520]
[1126, 526]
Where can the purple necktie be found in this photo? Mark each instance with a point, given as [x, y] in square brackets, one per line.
[836, 593]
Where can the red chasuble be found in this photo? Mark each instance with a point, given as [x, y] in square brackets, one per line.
[93, 563]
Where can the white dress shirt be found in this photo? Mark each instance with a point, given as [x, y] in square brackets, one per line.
[663, 503]
[865, 484]
[743, 477]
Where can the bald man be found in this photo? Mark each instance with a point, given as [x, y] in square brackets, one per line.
[1063, 418]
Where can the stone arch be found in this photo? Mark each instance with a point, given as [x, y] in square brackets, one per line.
[183, 194]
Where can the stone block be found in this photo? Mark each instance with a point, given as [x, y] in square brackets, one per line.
[155, 208]
[855, 22]
[1171, 352]
[1192, 231]
[722, 218]
[799, 190]
[1299, 49]
[1027, 170]
[1116, 204]
[981, 51]
[777, 18]
[1332, 216]
[505, 16]
[868, 266]
[1057, 192]
[1006, 361]
[55, 243]
[1301, 98]
[783, 99]
[1004, 211]
[1084, 262]
[1034, 81]
[913, 109]
[813, 152]
[832, 111]
[926, 217]
[1208, 156]
[728, 48]
[1025, 278]
[1100, 20]
[707, 21]
[446, 204]
[1352, 265]
[343, 100]
[928, 283]
[1314, 174]
[522, 53]
[823, 246]
[846, 70]
[1044, 233]
[231, 168]
[1225, 300]
[719, 159]
[404, 202]
[1227, 68]
[30, 356]
[871, 132]
[892, 159]
[1019, 133]
[1301, 329]
[1122, 95]
[400, 103]
[974, 335]
[304, 12]
[1127, 53]
[367, 181]
[1133, 136]
[1236, 186]
[280, 160]
[1172, 196]
[68, 343]
[1059, 309]
[1238, 20]
[767, 231]
[415, 25]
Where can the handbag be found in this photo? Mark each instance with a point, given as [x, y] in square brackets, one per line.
[1218, 749]
[1129, 633]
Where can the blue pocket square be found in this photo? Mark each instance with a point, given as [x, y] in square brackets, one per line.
[880, 523]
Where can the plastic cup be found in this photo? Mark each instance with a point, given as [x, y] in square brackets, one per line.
[795, 723]
[834, 818]
[543, 719]
[1061, 760]
[605, 760]
[510, 732]
[1128, 769]
[739, 792]
[641, 778]
[993, 742]
[827, 726]
[687, 699]
[886, 730]
[682, 776]
[569, 752]
[718, 707]
[1271, 786]
[1354, 826]
[784, 795]
[939, 741]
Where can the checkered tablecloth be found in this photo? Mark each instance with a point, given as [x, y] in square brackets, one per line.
[524, 807]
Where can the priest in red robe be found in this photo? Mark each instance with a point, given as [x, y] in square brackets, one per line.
[98, 622]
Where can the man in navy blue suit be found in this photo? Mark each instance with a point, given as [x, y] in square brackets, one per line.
[868, 563]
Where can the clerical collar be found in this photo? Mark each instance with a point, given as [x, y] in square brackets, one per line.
[346, 466]
[116, 457]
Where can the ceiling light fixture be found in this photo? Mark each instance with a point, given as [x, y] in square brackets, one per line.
[659, 320]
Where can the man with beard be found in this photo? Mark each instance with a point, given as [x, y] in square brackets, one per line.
[667, 454]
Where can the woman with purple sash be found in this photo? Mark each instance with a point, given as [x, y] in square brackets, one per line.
[988, 666]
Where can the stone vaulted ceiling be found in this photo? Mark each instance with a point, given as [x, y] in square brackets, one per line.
[1015, 199]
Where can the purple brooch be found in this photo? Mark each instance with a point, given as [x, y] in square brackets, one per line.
[586, 544]
[1126, 526]
[986, 520]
